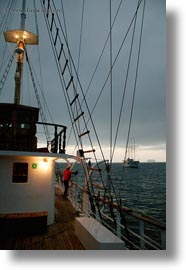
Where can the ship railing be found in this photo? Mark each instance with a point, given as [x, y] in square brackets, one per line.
[147, 233]
[26, 137]
[58, 143]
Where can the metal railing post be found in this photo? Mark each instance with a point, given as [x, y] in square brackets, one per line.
[118, 224]
[75, 195]
[56, 140]
[163, 240]
[142, 243]
[85, 205]
[97, 214]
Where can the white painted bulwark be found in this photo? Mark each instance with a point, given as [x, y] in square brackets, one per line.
[37, 194]
[94, 236]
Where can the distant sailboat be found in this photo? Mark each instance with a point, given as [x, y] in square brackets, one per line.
[130, 162]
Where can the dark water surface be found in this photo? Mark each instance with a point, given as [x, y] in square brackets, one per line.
[144, 188]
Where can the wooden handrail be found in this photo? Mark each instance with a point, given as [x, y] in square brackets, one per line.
[124, 209]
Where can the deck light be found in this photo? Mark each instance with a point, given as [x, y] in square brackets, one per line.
[44, 164]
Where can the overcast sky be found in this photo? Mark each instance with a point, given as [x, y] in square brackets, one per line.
[148, 124]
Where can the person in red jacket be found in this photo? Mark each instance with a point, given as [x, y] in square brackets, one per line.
[66, 177]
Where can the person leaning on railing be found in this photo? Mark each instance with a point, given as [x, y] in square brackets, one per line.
[66, 177]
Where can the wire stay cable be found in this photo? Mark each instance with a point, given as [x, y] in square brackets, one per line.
[134, 91]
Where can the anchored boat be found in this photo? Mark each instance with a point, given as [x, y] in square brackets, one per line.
[27, 166]
[131, 161]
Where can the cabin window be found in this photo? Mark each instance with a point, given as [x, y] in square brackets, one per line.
[24, 119]
[20, 173]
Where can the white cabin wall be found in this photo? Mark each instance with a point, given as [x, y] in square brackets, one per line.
[37, 194]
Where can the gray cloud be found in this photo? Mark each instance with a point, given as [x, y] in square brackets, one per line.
[148, 125]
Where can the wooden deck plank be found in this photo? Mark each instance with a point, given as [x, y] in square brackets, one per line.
[59, 236]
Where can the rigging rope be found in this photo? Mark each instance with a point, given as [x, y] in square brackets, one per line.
[40, 72]
[4, 52]
[5, 16]
[38, 100]
[66, 35]
[136, 76]
[6, 24]
[135, 84]
[28, 84]
[37, 28]
[124, 89]
[80, 40]
[5, 74]
[96, 67]
[42, 93]
[122, 43]
[110, 20]
[79, 54]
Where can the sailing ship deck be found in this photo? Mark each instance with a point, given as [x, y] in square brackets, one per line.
[59, 236]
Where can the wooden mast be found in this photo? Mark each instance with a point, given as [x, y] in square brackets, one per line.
[20, 51]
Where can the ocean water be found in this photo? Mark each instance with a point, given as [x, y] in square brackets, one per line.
[142, 189]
